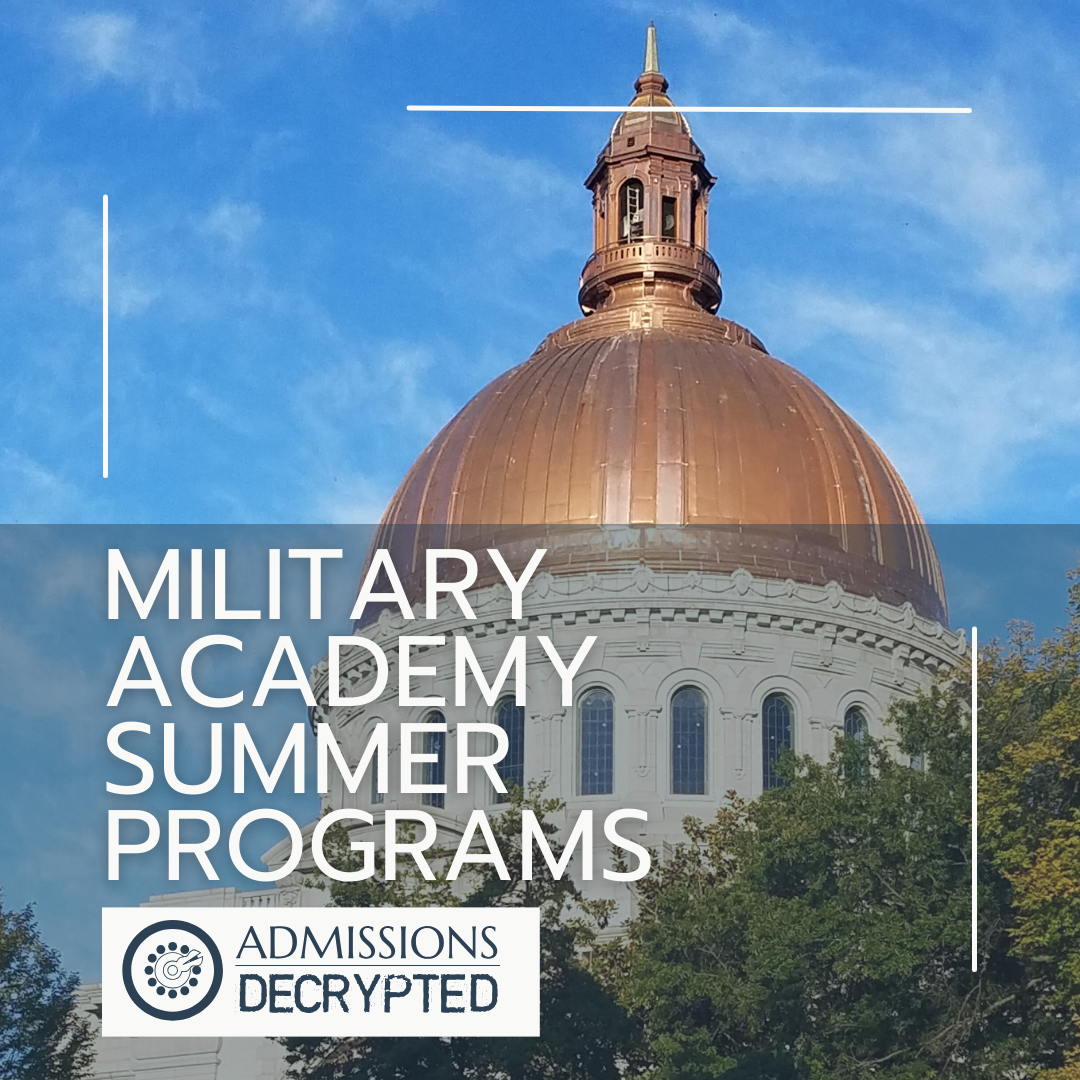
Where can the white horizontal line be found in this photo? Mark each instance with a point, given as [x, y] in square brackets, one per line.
[685, 108]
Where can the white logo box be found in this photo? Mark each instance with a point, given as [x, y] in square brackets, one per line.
[320, 971]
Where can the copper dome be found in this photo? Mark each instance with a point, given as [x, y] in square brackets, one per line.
[687, 422]
[656, 418]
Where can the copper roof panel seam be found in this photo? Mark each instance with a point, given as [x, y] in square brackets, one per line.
[806, 393]
[586, 466]
[670, 406]
[919, 546]
[802, 400]
[643, 461]
[557, 448]
[578, 416]
[592, 457]
[408, 501]
[529, 390]
[441, 500]
[732, 433]
[457, 449]
[672, 454]
[852, 433]
[412, 486]
[523, 417]
[563, 432]
[528, 377]
[622, 354]
[804, 458]
[873, 478]
[714, 389]
[764, 488]
[719, 423]
[415, 488]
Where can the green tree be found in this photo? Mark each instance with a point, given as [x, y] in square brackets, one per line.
[1029, 800]
[41, 1035]
[583, 1030]
[823, 932]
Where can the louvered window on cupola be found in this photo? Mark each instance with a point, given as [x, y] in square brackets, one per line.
[667, 217]
[631, 211]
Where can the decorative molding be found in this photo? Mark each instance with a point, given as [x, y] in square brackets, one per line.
[650, 600]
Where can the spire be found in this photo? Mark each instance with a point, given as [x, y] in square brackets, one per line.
[650, 207]
[652, 59]
[650, 81]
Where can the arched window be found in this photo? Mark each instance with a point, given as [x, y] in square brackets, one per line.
[775, 736]
[856, 731]
[855, 724]
[631, 211]
[597, 743]
[688, 712]
[511, 770]
[434, 772]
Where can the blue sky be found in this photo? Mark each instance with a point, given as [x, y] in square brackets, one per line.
[307, 281]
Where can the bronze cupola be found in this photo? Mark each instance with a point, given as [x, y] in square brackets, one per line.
[650, 206]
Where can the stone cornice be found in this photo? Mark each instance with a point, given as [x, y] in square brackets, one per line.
[736, 602]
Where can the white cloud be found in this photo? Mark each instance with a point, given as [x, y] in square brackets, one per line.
[103, 42]
[351, 456]
[29, 675]
[951, 402]
[407, 371]
[530, 209]
[31, 492]
[334, 395]
[116, 46]
[233, 222]
[73, 261]
[351, 500]
[971, 591]
[315, 12]
[330, 13]
[979, 180]
[218, 409]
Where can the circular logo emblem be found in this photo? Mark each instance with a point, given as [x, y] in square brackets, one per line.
[172, 970]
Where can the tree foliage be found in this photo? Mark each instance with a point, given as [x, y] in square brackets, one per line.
[583, 1029]
[41, 1035]
[1029, 800]
[823, 932]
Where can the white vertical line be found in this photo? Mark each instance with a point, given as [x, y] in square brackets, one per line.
[104, 336]
[974, 798]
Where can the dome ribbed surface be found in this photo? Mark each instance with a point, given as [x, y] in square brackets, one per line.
[687, 421]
